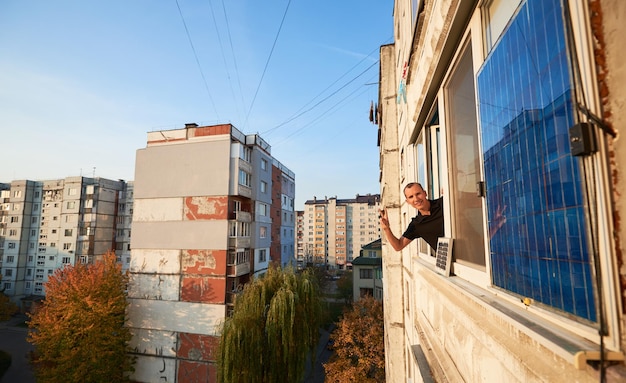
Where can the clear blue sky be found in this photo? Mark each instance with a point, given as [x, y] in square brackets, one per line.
[82, 82]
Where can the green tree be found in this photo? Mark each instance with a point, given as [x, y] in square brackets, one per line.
[78, 331]
[274, 325]
[358, 342]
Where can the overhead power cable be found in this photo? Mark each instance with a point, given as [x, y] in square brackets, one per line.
[267, 62]
[232, 51]
[206, 85]
[322, 100]
[226, 66]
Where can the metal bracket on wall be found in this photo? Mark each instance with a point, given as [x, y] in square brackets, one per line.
[581, 357]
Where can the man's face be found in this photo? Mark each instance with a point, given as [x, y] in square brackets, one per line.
[416, 197]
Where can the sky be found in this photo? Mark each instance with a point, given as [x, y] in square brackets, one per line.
[83, 82]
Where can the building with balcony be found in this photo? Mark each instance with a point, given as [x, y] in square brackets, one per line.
[509, 110]
[203, 226]
[333, 228]
[45, 225]
[283, 215]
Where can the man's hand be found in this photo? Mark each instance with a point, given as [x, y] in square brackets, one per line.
[384, 222]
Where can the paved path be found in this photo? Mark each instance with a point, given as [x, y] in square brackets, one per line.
[13, 341]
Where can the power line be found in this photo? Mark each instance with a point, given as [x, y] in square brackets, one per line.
[206, 86]
[321, 101]
[267, 63]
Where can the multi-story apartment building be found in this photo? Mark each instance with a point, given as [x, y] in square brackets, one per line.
[203, 218]
[283, 215]
[510, 110]
[334, 230]
[48, 224]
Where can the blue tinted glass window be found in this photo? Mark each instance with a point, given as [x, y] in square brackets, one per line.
[538, 247]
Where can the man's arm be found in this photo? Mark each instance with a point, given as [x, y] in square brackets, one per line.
[397, 243]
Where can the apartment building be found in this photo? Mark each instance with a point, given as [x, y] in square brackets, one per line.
[283, 215]
[509, 110]
[334, 230]
[45, 225]
[203, 222]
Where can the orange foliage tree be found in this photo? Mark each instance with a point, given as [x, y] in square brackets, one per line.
[79, 332]
[359, 345]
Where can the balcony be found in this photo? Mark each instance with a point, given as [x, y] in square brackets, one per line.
[239, 242]
[240, 216]
[237, 270]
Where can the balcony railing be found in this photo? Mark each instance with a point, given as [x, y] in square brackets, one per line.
[239, 242]
[237, 270]
[241, 216]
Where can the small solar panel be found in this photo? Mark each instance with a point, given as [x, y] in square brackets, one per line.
[444, 256]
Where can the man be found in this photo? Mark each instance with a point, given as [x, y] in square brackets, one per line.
[427, 224]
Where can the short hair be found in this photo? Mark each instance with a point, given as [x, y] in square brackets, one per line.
[411, 184]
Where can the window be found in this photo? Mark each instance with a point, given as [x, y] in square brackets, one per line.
[8, 286]
[29, 272]
[468, 227]
[263, 255]
[263, 187]
[68, 232]
[72, 191]
[71, 204]
[10, 259]
[263, 164]
[497, 14]
[245, 178]
[245, 153]
[15, 219]
[8, 272]
[263, 232]
[11, 245]
[12, 232]
[365, 274]
[67, 246]
[66, 260]
[17, 193]
[546, 244]
[264, 209]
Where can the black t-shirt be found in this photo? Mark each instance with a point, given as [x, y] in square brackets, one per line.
[429, 227]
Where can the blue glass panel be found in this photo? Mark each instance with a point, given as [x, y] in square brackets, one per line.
[525, 108]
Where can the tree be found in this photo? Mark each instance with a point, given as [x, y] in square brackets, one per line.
[78, 331]
[358, 342]
[274, 325]
[344, 287]
[7, 307]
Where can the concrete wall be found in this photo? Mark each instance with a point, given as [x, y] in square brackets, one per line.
[178, 259]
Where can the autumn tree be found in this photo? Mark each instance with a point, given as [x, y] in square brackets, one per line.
[78, 331]
[274, 325]
[358, 344]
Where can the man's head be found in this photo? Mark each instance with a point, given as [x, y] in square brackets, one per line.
[416, 196]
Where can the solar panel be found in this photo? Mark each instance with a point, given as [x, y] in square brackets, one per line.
[444, 256]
